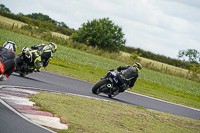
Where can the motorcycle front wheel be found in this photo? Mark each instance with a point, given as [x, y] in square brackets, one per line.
[98, 86]
[22, 74]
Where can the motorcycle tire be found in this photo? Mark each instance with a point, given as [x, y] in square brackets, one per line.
[110, 96]
[97, 86]
[22, 74]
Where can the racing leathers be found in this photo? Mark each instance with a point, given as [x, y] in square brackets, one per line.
[127, 77]
[46, 53]
[32, 63]
[36, 60]
[7, 63]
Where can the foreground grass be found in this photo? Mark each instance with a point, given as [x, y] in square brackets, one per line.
[90, 115]
[90, 67]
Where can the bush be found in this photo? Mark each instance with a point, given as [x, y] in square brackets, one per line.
[102, 33]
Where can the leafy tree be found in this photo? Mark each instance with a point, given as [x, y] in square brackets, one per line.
[62, 24]
[102, 33]
[41, 17]
[4, 8]
[195, 70]
[192, 55]
[21, 14]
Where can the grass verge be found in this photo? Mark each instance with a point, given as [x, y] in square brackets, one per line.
[91, 115]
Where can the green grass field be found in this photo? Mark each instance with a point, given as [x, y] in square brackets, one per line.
[89, 67]
[98, 116]
[160, 65]
[60, 35]
[7, 21]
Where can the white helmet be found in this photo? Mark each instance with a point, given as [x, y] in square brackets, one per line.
[10, 45]
[27, 52]
[53, 47]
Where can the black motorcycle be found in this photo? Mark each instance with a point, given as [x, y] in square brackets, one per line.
[108, 85]
[24, 68]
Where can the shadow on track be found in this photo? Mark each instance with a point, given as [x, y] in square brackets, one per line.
[28, 78]
[116, 100]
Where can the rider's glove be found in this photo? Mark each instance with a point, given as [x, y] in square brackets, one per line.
[34, 47]
[118, 69]
[3, 77]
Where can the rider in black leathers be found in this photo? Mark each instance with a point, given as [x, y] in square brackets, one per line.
[128, 76]
[7, 60]
[29, 59]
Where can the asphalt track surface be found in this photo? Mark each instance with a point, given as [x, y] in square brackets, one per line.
[10, 122]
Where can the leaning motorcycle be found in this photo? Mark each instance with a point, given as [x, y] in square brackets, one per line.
[108, 85]
[22, 67]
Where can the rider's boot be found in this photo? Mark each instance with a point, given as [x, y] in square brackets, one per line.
[122, 88]
[115, 90]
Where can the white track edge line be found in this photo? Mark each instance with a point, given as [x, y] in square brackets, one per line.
[32, 88]
[22, 116]
[162, 100]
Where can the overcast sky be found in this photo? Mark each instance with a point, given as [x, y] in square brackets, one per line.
[160, 26]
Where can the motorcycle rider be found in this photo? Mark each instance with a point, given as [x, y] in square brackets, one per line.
[7, 60]
[31, 57]
[47, 52]
[128, 76]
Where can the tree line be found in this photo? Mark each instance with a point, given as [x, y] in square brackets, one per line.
[44, 22]
[46, 18]
[157, 57]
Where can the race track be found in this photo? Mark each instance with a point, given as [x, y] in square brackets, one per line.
[55, 82]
